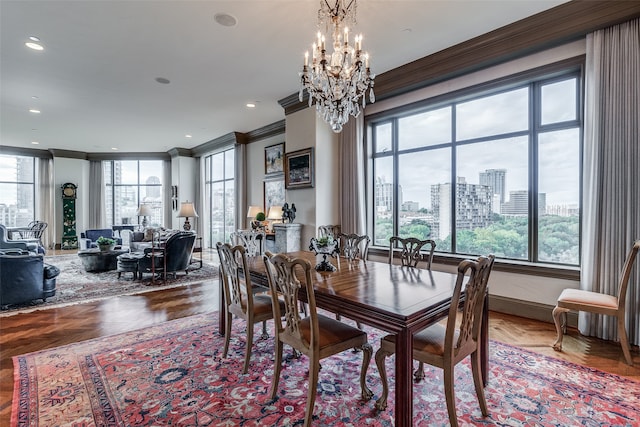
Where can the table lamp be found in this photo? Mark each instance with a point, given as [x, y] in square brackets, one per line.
[144, 211]
[252, 213]
[275, 213]
[187, 211]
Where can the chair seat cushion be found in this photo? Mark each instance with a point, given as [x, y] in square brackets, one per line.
[262, 304]
[429, 340]
[579, 296]
[331, 331]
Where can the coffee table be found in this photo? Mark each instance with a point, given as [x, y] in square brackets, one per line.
[95, 260]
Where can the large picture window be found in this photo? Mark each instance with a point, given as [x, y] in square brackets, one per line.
[220, 195]
[17, 190]
[129, 183]
[485, 171]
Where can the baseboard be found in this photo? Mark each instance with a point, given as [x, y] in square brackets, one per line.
[528, 309]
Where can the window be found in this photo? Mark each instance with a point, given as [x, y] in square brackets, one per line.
[17, 190]
[130, 183]
[485, 171]
[220, 195]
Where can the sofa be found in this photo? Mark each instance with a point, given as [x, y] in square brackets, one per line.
[25, 278]
[89, 237]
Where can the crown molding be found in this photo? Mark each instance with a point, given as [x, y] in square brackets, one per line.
[180, 152]
[23, 151]
[277, 128]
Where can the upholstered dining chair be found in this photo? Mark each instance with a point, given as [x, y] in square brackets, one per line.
[354, 246]
[410, 248]
[595, 302]
[240, 298]
[315, 335]
[252, 240]
[446, 346]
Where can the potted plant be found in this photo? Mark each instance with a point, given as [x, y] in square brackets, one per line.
[105, 243]
[259, 221]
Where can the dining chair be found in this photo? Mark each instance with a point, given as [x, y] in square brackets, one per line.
[240, 297]
[446, 346]
[328, 231]
[596, 302]
[315, 335]
[354, 246]
[252, 240]
[410, 249]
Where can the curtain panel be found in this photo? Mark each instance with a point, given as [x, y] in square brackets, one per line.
[46, 201]
[97, 210]
[352, 176]
[611, 178]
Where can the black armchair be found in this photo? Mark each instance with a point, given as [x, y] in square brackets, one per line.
[24, 277]
[173, 256]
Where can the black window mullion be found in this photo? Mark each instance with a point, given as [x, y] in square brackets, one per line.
[535, 114]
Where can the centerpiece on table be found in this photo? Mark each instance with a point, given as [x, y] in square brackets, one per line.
[105, 243]
[325, 246]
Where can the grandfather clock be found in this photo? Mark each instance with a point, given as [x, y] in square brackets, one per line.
[69, 235]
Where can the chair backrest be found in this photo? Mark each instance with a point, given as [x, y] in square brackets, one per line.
[475, 291]
[178, 250]
[623, 282]
[328, 231]
[252, 240]
[284, 275]
[233, 262]
[410, 250]
[354, 246]
[5, 243]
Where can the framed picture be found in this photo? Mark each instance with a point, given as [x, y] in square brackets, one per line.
[274, 159]
[298, 169]
[273, 193]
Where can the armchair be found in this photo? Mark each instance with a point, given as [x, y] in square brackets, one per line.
[24, 277]
[173, 256]
[6, 243]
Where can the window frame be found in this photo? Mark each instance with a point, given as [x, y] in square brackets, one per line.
[534, 80]
[208, 189]
[18, 182]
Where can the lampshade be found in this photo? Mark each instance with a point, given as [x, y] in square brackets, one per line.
[144, 210]
[275, 212]
[187, 210]
[253, 211]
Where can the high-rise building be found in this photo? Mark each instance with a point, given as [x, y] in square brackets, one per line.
[384, 196]
[518, 203]
[496, 179]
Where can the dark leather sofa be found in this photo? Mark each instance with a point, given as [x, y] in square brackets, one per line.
[25, 278]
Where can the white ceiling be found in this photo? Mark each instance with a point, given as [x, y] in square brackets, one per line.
[95, 81]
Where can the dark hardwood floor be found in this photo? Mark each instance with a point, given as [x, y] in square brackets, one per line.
[23, 333]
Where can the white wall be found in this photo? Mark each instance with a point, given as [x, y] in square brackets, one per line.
[255, 172]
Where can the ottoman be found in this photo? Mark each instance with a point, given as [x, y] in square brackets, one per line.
[128, 263]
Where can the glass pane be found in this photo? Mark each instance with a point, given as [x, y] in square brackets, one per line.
[125, 172]
[424, 129]
[125, 203]
[559, 101]
[108, 205]
[493, 115]
[216, 216]
[383, 138]
[106, 170]
[151, 172]
[229, 164]
[383, 219]
[492, 198]
[230, 209]
[421, 213]
[217, 167]
[207, 168]
[559, 187]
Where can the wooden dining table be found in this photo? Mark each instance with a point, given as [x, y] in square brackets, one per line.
[399, 300]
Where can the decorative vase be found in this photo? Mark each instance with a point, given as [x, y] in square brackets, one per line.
[106, 248]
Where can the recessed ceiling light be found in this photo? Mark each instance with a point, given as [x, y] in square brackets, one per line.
[35, 142]
[34, 46]
[187, 136]
[163, 80]
[34, 97]
[251, 105]
[225, 19]
[114, 148]
[33, 110]
[34, 38]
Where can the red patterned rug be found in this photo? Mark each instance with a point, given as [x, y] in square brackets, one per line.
[173, 374]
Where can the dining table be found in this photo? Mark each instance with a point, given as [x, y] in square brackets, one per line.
[397, 299]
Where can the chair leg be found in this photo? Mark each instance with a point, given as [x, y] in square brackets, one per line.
[367, 352]
[418, 375]
[247, 350]
[558, 312]
[624, 340]
[277, 368]
[227, 334]
[450, 395]
[265, 335]
[381, 355]
[478, 383]
[314, 369]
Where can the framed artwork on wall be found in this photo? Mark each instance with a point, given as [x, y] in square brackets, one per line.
[298, 169]
[274, 159]
[273, 193]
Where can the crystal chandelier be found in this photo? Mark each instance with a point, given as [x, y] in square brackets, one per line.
[337, 82]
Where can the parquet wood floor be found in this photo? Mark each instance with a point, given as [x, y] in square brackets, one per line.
[24, 333]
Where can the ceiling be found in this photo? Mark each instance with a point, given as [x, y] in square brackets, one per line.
[95, 81]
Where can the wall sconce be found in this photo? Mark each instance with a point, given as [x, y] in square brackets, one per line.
[187, 210]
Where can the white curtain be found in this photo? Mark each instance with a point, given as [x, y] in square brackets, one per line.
[46, 201]
[352, 176]
[611, 165]
[96, 191]
[167, 212]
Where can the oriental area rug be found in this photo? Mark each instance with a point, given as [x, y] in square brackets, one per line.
[173, 374]
[74, 285]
